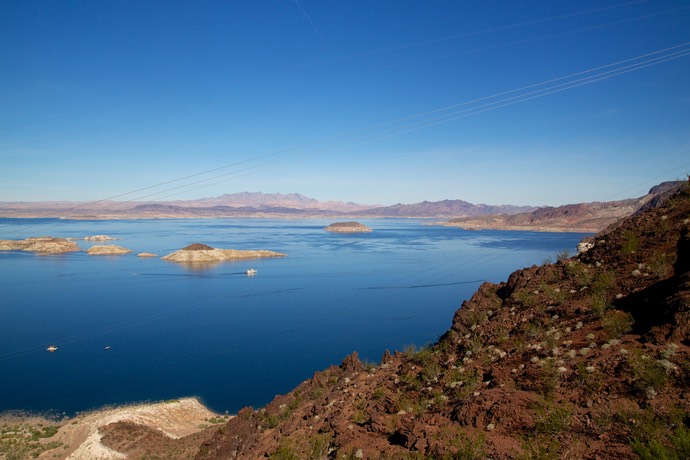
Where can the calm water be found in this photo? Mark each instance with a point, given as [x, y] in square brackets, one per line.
[217, 334]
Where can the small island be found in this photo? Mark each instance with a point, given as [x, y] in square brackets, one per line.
[347, 227]
[105, 250]
[41, 244]
[99, 238]
[202, 253]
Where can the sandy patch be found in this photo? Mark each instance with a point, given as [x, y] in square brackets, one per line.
[81, 439]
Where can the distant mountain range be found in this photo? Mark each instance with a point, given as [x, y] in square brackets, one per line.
[582, 217]
[249, 204]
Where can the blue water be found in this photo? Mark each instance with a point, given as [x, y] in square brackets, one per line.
[219, 335]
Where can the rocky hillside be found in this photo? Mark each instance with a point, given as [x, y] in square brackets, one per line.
[581, 217]
[444, 208]
[587, 357]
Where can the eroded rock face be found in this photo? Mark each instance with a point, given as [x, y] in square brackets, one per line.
[347, 227]
[42, 244]
[201, 253]
[109, 249]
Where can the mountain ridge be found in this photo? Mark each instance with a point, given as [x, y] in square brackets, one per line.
[580, 217]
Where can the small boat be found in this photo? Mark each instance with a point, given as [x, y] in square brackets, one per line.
[107, 347]
[52, 348]
[251, 272]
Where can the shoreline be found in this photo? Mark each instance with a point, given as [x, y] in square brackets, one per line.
[79, 436]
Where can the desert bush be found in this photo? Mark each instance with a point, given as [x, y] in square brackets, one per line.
[674, 446]
[527, 297]
[616, 323]
[647, 372]
[319, 445]
[630, 242]
[534, 449]
[661, 265]
[562, 255]
[550, 418]
[579, 273]
[467, 448]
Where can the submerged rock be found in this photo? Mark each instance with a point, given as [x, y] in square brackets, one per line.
[347, 227]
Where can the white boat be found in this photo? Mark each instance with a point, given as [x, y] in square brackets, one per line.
[52, 348]
[250, 272]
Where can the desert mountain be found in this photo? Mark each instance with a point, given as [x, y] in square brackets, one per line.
[582, 217]
[248, 204]
[445, 208]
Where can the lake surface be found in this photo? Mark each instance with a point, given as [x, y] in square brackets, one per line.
[214, 333]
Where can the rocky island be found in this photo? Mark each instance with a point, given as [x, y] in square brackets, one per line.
[108, 249]
[41, 244]
[202, 253]
[347, 227]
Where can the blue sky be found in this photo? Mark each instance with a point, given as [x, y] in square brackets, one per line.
[343, 99]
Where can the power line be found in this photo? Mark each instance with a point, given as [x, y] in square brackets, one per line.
[421, 120]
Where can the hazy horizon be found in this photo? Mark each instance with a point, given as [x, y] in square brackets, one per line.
[492, 102]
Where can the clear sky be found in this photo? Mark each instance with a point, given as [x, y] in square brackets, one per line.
[376, 102]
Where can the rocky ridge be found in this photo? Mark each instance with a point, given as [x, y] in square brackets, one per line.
[587, 357]
[581, 217]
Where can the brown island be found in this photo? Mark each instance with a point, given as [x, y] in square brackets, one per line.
[202, 253]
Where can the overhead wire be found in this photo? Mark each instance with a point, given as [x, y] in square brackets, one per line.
[420, 120]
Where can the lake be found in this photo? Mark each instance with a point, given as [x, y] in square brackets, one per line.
[217, 334]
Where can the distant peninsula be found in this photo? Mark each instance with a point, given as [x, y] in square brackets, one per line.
[202, 253]
[348, 227]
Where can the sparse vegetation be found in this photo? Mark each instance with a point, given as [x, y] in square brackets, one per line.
[616, 323]
[25, 440]
[673, 446]
[647, 373]
[631, 242]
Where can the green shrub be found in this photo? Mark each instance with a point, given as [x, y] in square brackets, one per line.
[616, 323]
[675, 446]
[661, 265]
[647, 372]
[630, 242]
[551, 419]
